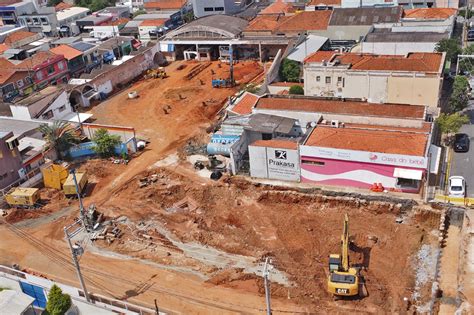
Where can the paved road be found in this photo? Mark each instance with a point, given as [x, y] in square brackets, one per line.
[463, 163]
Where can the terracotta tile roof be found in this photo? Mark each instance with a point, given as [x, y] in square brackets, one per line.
[3, 47]
[278, 7]
[276, 143]
[5, 64]
[420, 62]
[245, 105]
[306, 21]
[320, 56]
[67, 51]
[383, 140]
[35, 60]
[154, 22]
[17, 36]
[118, 21]
[325, 2]
[429, 13]
[5, 74]
[62, 6]
[265, 23]
[348, 107]
[164, 4]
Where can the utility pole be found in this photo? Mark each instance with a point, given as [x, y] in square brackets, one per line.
[266, 282]
[81, 206]
[157, 311]
[76, 250]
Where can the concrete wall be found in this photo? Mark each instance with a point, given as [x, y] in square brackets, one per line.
[105, 31]
[347, 32]
[366, 3]
[125, 133]
[397, 48]
[258, 162]
[370, 86]
[199, 5]
[10, 163]
[414, 90]
[128, 70]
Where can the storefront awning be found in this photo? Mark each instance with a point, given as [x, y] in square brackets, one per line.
[435, 156]
[407, 174]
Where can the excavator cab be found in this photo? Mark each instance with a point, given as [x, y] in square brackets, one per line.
[343, 280]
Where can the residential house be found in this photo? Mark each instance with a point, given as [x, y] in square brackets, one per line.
[48, 68]
[10, 10]
[151, 29]
[50, 103]
[115, 48]
[172, 17]
[115, 12]
[87, 23]
[42, 20]
[74, 57]
[131, 29]
[6, 30]
[322, 5]
[67, 18]
[10, 159]
[415, 78]
[428, 20]
[109, 29]
[14, 81]
[21, 38]
[90, 54]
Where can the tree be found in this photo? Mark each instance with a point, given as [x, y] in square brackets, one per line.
[138, 12]
[289, 70]
[450, 46]
[60, 136]
[58, 302]
[466, 65]
[296, 90]
[451, 123]
[188, 17]
[105, 143]
[459, 99]
[251, 88]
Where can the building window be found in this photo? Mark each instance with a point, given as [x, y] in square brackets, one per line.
[309, 162]
[318, 78]
[48, 114]
[266, 136]
[339, 80]
[50, 69]
[62, 108]
[219, 9]
[208, 9]
[36, 21]
[20, 83]
[44, 21]
[407, 183]
[28, 80]
[28, 20]
[8, 88]
[39, 75]
[328, 80]
[61, 65]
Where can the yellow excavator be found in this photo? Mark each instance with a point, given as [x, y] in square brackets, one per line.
[343, 280]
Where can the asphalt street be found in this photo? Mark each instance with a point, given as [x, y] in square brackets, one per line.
[463, 163]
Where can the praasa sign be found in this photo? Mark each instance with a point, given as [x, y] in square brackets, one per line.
[282, 164]
[363, 156]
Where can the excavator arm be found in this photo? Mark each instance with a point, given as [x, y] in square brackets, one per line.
[345, 245]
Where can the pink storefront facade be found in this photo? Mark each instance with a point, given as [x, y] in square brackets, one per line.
[360, 169]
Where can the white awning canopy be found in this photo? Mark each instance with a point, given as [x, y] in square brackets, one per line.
[407, 174]
[435, 154]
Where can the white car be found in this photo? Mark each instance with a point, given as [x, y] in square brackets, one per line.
[457, 186]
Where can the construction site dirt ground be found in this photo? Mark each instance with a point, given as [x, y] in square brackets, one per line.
[197, 245]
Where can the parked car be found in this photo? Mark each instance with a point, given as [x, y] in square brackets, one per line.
[457, 186]
[461, 142]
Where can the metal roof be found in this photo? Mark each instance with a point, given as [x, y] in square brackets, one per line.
[365, 16]
[225, 25]
[13, 302]
[19, 127]
[311, 44]
[385, 35]
[82, 46]
[270, 123]
[67, 40]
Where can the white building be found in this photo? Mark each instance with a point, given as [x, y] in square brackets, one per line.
[367, 3]
[67, 19]
[211, 7]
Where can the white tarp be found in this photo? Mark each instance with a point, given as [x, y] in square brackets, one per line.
[407, 174]
[72, 117]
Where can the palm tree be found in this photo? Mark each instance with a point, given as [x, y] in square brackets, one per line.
[60, 136]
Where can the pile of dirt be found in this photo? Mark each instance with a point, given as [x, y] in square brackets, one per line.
[16, 215]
